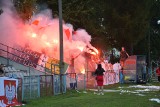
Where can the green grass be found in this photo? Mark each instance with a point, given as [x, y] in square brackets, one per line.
[110, 99]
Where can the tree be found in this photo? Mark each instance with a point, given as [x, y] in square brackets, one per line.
[112, 23]
[127, 21]
[86, 14]
[155, 30]
[25, 8]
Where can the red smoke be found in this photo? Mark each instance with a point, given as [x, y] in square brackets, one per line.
[41, 33]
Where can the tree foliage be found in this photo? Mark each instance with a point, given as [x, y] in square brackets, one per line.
[112, 23]
[128, 21]
[155, 30]
[25, 8]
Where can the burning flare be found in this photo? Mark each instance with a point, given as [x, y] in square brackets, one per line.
[41, 32]
[83, 71]
[34, 35]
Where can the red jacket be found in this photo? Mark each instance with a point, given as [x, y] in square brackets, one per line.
[158, 71]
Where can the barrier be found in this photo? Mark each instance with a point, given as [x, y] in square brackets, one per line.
[30, 87]
[46, 85]
[59, 86]
[43, 85]
[133, 68]
[71, 80]
[109, 78]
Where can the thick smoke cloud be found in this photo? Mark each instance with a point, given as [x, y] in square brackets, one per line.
[41, 33]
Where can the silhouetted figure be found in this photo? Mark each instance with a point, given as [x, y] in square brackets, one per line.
[1, 71]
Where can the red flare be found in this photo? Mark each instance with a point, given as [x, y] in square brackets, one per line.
[36, 22]
[67, 33]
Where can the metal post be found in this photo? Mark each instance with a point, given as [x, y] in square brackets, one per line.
[29, 71]
[38, 86]
[149, 54]
[87, 71]
[151, 67]
[7, 56]
[30, 87]
[85, 75]
[84, 82]
[61, 41]
[51, 68]
[45, 68]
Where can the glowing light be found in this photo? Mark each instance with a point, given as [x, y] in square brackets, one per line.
[83, 71]
[48, 44]
[93, 53]
[55, 41]
[36, 22]
[96, 51]
[34, 35]
[80, 48]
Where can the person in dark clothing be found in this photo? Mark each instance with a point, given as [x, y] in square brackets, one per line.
[123, 56]
[1, 71]
[99, 78]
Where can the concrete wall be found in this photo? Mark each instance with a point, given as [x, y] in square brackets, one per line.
[18, 66]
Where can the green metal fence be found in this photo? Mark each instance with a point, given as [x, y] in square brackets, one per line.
[43, 85]
[30, 87]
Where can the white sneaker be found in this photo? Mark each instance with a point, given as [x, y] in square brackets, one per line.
[98, 93]
[102, 93]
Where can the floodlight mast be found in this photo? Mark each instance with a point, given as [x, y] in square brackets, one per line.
[61, 65]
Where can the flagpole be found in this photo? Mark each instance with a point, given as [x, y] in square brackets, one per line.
[61, 42]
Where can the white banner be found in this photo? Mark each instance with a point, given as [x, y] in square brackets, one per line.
[111, 77]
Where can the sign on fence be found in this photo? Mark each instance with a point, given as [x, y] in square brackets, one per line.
[8, 92]
[55, 69]
[26, 57]
[132, 68]
[110, 78]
